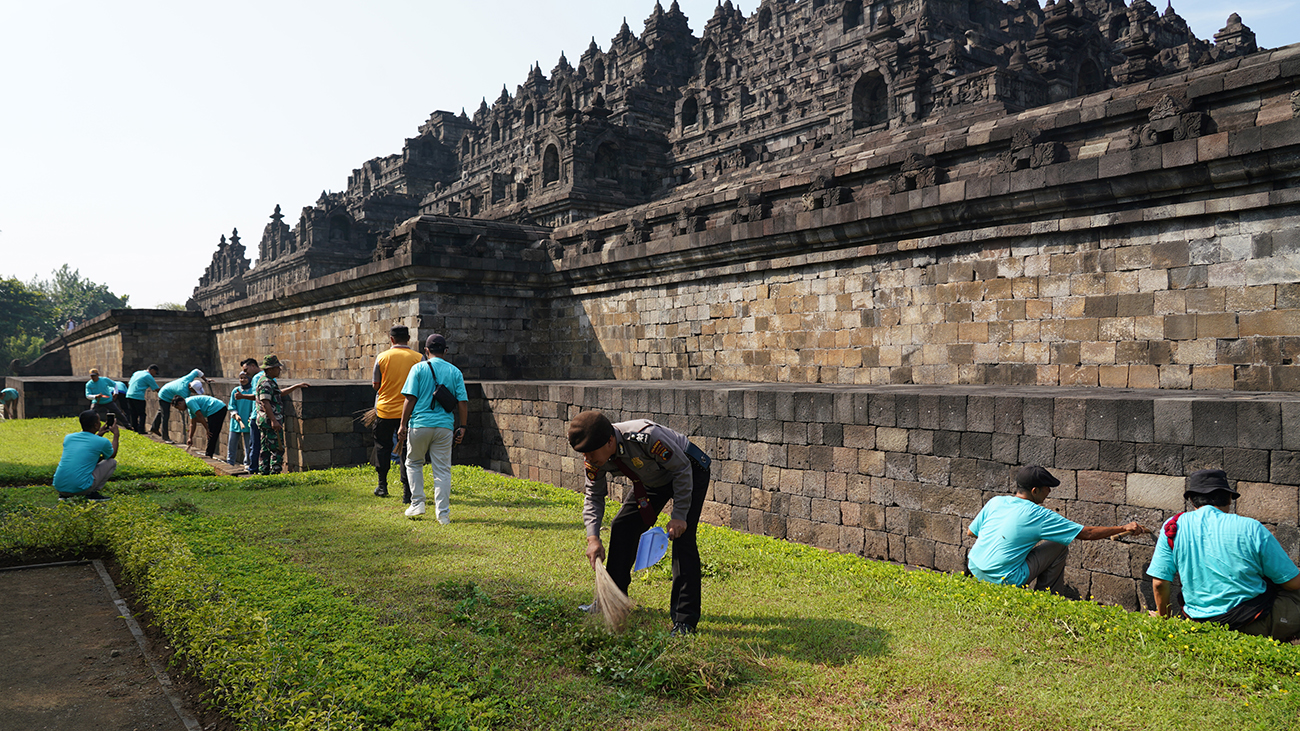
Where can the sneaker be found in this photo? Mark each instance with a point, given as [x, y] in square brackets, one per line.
[97, 497]
[682, 629]
[444, 519]
[416, 510]
[381, 491]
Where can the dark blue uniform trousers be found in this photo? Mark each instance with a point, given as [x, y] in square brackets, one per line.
[625, 532]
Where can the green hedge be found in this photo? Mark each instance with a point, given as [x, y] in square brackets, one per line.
[303, 659]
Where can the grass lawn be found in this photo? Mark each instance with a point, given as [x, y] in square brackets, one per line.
[30, 449]
[792, 637]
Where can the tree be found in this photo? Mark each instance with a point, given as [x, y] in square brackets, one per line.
[21, 347]
[25, 308]
[26, 321]
[75, 298]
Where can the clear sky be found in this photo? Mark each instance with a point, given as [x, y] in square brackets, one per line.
[134, 134]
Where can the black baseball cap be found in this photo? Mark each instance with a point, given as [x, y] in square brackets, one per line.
[1031, 476]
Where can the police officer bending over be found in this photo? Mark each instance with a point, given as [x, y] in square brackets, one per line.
[661, 464]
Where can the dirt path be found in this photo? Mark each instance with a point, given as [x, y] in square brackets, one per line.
[68, 662]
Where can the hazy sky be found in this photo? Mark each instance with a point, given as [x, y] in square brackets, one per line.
[134, 134]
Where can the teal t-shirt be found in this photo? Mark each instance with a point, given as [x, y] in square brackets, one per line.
[1007, 529]
[81, 453]
[179, 387]
[9, 394]
[1222, 559]
[141, 381]
[242, 407]
[208, 405]
[420, 384]
[101, 390]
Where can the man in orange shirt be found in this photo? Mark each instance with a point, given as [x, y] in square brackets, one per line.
[391, 369]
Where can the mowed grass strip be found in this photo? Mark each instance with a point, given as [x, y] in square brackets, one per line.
[30, 450]
[792, 637]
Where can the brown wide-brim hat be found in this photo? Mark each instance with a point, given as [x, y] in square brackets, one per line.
[589, 431]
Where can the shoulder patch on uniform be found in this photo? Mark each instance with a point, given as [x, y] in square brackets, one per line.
[661, 451]
[591, 473]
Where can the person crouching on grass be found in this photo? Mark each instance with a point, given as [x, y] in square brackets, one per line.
[88, 460]
[1017, 540]
[208, 411]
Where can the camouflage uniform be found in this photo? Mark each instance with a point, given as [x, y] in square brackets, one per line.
[272, 456]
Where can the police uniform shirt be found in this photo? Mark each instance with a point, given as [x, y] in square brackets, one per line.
[656, 454]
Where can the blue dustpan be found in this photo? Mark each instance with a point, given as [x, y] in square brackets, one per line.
[653, 546]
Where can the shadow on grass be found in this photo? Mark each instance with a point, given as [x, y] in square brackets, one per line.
[821, 641]
[526, 501]
[522, 524]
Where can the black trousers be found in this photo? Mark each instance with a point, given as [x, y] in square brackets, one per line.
[110, 407]
[135, 408]
[625, 532]
[214, 431]
[162, 417]
[385, 430]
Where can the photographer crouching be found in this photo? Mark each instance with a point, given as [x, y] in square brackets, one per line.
[88, 459]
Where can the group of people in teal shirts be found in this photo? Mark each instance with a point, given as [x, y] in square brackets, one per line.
[1233, 571]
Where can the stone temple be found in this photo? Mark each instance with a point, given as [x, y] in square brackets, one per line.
[871, 255]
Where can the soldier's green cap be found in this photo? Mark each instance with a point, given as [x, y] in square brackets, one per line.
[271, 361]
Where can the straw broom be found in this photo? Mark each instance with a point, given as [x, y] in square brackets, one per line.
[615, 606]
[368, 417]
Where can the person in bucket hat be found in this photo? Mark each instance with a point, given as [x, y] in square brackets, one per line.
[1233, 569]
[270, 416]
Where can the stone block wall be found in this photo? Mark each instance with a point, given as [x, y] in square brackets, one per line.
[898, 472]
[1199, 302]
[42, 397]
[334, 327]
[125, 341]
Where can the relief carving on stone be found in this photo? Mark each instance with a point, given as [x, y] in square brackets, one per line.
[638, 232]
[591, 242]
[750, 207]
[1171, 120]
[917, 171]
[688, 221]
[823, 193]
[1027, 152]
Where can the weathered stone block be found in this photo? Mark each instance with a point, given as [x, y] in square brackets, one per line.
[1285, 467]
[1117, 590]
[1164, 492]
[1101, 487]
[1267, 502]
[1076, 454]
